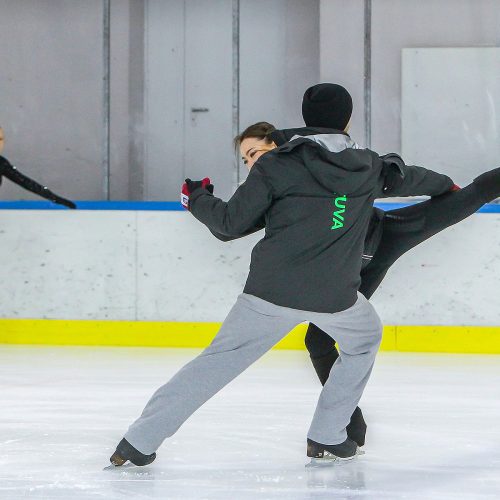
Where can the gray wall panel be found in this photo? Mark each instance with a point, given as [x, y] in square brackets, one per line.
[136, 70]
[127, 100]
[208, 84]
[51, 90]
[342, 53]
[279, 59]
[164, 98]
[428, 23]
[192, 67]
[50, 93]
[396, 24]
[449, 118]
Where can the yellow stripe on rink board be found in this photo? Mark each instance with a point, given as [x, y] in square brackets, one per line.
[130, 333]
[451, 339]
[447, 339]
[107, 333]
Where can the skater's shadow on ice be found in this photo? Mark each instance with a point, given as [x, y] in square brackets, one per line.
[349, 476]
[391, 477]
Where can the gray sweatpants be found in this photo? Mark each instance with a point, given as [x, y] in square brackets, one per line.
[252, 327]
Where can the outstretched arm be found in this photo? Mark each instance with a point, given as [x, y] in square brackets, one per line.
[10, 172]
[409, 180]
[242, 214]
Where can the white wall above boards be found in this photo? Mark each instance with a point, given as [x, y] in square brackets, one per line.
[451, 109]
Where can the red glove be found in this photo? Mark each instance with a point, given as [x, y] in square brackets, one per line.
[189, 187]
[455, 188]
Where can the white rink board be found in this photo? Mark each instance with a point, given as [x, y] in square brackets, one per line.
[167, 266]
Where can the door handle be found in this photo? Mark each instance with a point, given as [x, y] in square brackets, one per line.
[199, 110]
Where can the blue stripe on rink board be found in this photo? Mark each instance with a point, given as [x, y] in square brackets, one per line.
[94, 205]
[490, 208]
[168, 206]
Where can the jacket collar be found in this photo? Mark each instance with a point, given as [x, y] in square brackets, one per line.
[285, 135]
[335, 143]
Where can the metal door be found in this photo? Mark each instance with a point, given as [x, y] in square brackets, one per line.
[188, 112]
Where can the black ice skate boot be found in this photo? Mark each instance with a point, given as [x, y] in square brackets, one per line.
[489, 184]
[126, 452]
[321, 454]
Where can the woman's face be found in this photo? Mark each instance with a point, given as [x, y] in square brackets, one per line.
[252, 149]
[1, 139]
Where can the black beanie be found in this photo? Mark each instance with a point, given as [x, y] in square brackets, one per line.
[327, 105]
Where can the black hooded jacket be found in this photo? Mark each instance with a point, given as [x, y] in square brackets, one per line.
[314, 194]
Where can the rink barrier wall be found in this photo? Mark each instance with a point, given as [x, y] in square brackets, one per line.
[130, 302]
[404, 338]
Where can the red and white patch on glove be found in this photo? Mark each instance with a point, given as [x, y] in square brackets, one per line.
[185, 196]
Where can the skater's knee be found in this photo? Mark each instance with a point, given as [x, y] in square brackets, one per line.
[368, 345]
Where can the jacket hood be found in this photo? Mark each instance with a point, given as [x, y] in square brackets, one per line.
[331, 157]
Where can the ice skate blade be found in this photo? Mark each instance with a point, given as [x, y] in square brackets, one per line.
[128, 465]
[332, 460]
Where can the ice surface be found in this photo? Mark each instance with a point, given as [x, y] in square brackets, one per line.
[434, 429]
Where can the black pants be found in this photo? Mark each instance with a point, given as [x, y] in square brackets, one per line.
[403, 229]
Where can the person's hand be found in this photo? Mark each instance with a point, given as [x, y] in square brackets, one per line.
[54, 198]
[455, 188]
[189, 187]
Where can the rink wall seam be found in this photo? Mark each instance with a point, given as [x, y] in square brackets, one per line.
[403, 338]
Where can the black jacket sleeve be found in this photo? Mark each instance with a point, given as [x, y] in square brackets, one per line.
[12, 173]
[241, 214]
[409, 180]
[261, 224]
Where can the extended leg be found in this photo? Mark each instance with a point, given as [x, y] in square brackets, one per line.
[247, 333]
[407, 227]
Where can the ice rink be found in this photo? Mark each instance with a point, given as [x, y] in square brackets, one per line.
[434, 429]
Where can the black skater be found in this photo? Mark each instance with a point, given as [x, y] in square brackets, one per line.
[390, 234]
